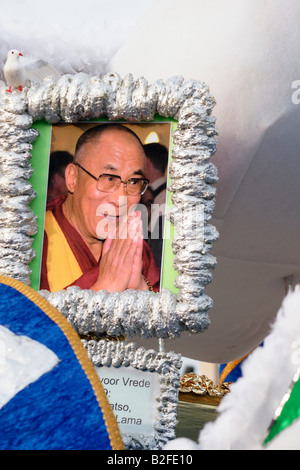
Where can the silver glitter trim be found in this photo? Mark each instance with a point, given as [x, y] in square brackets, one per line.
[167, 365]
[17, 221]
[126, 313]
[80, 97]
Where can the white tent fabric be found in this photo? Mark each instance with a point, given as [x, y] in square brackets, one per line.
[247, 53]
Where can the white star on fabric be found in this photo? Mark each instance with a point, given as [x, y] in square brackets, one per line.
[22, 362]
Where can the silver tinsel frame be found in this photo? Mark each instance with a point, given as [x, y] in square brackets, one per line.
[167, 365]
[81, 97]
[162, 315]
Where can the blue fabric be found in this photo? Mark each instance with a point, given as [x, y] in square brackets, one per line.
[234, 375]
[237, 372]
[60, 409]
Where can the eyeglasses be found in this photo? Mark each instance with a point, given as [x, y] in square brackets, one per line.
[109, 183]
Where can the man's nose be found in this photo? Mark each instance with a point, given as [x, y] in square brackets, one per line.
[120, 191]
[119, 197]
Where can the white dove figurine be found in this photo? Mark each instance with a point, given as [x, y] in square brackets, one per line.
[18, 72]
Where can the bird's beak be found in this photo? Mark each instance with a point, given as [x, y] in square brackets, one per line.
[20, 54]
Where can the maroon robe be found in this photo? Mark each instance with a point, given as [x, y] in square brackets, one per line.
[84, 256]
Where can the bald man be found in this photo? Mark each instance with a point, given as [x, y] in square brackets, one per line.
[93, 236]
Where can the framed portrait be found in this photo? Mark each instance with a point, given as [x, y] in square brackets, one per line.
[58, 141]
[49, 117]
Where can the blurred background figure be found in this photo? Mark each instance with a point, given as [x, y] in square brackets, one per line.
[59, 160]
[157, 161]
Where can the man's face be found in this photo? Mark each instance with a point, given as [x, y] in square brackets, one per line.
[116, 153]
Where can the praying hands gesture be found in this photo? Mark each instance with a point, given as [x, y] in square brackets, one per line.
[120, 266]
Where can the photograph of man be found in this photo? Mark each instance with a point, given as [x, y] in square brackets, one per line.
[93, 235]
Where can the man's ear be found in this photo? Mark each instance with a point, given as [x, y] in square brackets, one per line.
[71, 177]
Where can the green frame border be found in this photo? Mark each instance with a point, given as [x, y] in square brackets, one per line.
[39, 180]
[168, 273]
